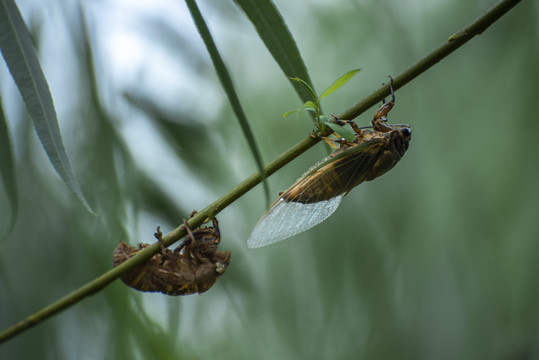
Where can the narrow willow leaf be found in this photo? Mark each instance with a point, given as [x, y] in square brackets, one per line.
[300, 111]
[275, 34]
[340, 82]
[290, 112]
[228, 86]
[24, 66]
[309, 88]
[7, 170]
[309, 105]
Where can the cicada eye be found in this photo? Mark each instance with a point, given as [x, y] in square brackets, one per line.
[407, 131]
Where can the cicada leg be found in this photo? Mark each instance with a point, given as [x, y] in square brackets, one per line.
[329, 140]
[379, 120]
[189, 247]
[189, 238]
[342, 122]
[360, 132]
[216, 227]
[166, 254]
[159, 236]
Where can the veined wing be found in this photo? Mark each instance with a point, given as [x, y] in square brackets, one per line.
[314, 196]
[285, 219]
[336, 174]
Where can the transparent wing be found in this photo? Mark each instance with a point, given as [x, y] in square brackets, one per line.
[315, 195]
[284, 219]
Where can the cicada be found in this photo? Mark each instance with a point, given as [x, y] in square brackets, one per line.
[193, 267]
[319, 191]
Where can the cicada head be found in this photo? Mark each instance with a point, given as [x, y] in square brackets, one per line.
[400, 138]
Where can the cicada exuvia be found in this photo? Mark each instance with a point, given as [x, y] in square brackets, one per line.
[193, 267]
[318, 192]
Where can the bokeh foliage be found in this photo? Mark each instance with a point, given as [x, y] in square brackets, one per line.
[436, 259]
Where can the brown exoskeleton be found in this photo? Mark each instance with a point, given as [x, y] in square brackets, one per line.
[318, 193]
[193, 267]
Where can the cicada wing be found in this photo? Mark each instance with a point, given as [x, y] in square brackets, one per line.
[315, 195]
[285, 219]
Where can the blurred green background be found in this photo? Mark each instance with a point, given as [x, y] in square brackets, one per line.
[435, 260]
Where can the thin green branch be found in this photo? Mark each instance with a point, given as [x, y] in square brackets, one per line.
[455, 41]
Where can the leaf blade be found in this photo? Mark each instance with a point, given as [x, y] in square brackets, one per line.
[339, 82]
[228, 86]
[7, 170]
[23, 64]
[275, 34]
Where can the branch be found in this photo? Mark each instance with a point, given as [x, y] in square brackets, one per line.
[454, 42]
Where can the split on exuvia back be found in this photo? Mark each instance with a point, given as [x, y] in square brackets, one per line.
[318, 192]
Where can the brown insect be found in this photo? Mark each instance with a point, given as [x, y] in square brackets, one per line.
[319, 192]
[193, 267]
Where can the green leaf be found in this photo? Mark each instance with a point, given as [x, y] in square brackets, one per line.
[340, 82]
[7, 170]
[273, 31]
[290, 112]
[22, 61]
[345, 131]
[309, 105]
[228, 86]
[313, 96]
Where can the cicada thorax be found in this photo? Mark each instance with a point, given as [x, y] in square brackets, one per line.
[389, 150]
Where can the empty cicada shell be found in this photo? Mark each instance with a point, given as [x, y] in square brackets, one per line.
[193, 267]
